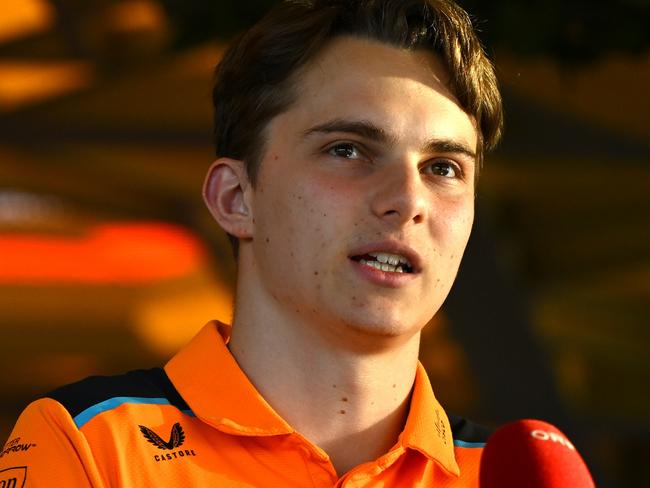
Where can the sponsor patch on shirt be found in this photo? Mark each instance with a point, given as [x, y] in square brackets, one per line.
[13, 477]
[176, 439]
[16, 445]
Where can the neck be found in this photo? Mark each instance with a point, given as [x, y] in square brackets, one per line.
[347, 395]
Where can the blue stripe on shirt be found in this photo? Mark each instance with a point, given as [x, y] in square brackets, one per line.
[101, 407]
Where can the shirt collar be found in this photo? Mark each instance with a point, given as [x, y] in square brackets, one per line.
[211, 382]
[217, 390]
[427, 426]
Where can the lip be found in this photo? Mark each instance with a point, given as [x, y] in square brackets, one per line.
[392, 247]
[386, 278]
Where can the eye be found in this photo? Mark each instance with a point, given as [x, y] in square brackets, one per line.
[445, 168]
[345, 150]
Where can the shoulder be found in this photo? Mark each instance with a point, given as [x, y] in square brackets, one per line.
[467, 433]
[469, 440]
[78, 433]
[97, 394]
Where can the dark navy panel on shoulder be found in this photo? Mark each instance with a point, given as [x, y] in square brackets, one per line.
[467, 433]
[142, 384]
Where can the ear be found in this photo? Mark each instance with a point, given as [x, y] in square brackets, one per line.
[225, 192]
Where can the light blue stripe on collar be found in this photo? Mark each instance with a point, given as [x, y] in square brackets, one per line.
[458, 443]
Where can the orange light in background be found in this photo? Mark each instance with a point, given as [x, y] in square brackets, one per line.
[167, 316]
[136, 15]
[19, 18]
[23, 83]
[124, 253]
[127, 31]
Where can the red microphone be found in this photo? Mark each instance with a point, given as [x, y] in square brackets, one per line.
[532, 454]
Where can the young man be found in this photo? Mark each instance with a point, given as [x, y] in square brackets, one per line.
[349, 136]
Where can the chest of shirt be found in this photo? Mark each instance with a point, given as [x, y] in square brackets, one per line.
[134, 444]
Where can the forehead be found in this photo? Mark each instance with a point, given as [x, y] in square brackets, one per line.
[404, 91]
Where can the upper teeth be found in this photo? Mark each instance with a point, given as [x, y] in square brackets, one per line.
[394, 259]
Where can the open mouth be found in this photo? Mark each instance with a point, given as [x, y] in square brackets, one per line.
[391, 263]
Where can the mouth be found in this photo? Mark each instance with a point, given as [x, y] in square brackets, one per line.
[385, 261]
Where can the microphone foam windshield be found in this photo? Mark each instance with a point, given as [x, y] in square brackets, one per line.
[532, 454]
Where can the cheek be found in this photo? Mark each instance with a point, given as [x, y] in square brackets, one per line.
[290, 228]
[461, 230]
[454, 230]
[457, 222]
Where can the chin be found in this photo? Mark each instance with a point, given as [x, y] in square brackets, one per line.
[385, 326]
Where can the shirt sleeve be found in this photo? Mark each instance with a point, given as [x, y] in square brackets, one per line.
[46, 449]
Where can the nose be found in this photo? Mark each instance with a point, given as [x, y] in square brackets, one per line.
[400, 195]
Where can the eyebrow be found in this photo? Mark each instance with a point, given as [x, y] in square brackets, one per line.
[372, 132]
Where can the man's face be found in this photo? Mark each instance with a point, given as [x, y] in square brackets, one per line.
[373, 162]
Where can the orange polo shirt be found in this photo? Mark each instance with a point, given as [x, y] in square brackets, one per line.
[200, 422]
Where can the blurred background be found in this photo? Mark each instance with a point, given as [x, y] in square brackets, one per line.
[109, 261]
